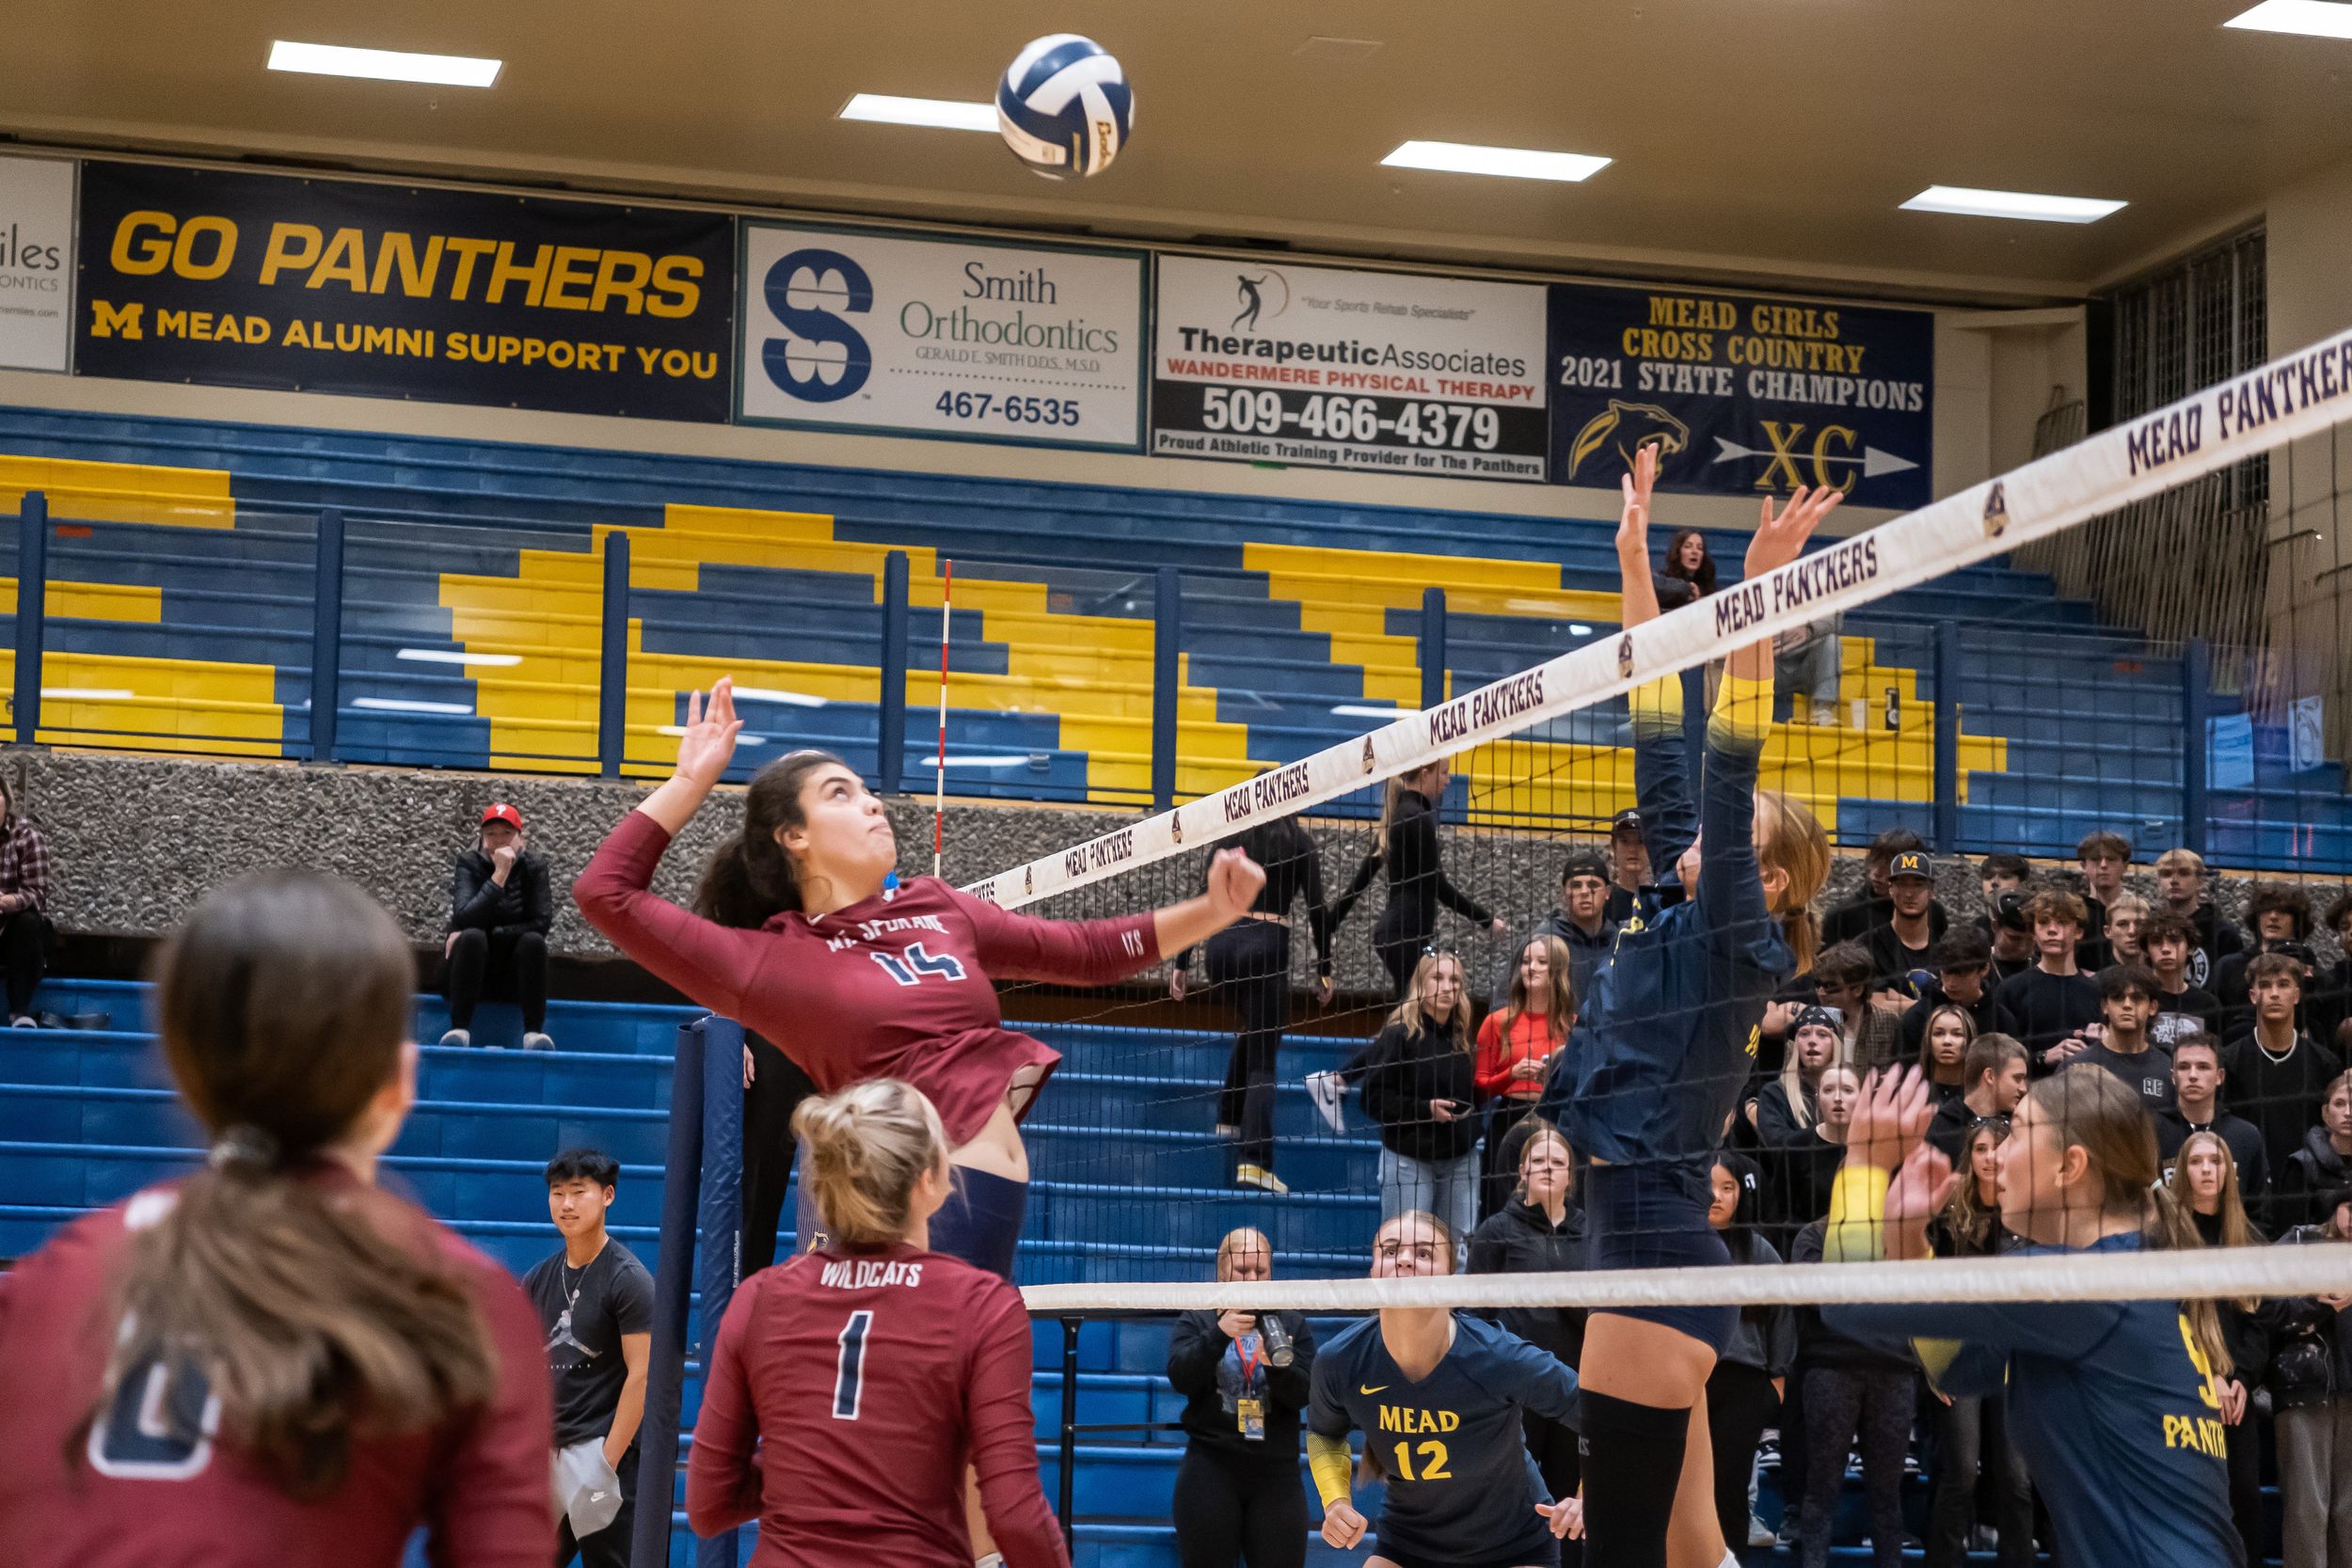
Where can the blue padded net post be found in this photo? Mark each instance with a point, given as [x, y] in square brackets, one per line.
[672, 1300]
[720, 1217]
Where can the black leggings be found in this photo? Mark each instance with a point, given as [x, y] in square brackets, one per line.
[1559, 1457]
[1842, 1405]
[1972, 1453]
[515, 960]
[777, 1087]
[24, 953]
[1239, 1508]
[1249, 966]
[1740, 1402]
[2244, 1449]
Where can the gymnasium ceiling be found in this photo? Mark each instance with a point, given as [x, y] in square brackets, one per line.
[1752, 139]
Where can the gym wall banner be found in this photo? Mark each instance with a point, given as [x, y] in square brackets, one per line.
[917, 335]
[1746, 396]
[36, 263]
[240, 279]
[1383, 371]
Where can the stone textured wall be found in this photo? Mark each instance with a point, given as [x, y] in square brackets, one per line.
[135, 841]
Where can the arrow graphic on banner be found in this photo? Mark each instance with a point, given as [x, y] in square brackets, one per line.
[1874, 461]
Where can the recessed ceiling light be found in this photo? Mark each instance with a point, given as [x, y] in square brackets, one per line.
[1453, 157]
[1364, 710]
[445, 656]
[939, 114]
[1965, 202]
[383, 65]
[410, 704]
[769, 694]
[2320, 19]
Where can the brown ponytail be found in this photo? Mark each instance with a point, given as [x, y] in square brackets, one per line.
[864, 1148]
[749, 879]
[318, 1314]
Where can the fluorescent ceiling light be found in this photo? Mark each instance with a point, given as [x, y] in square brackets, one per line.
[767, 694]
[739, 740]
[1578, 628]
[1358, 710]
[382, 65]
[443, 656]
[402, 704]
[87, 693]
[939, 114]
[1965, 202]
[2320, 19]
[1453, 157]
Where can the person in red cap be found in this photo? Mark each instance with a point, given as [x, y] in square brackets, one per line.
[501, 908]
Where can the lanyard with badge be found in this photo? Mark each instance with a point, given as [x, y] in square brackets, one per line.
[1249, 1409]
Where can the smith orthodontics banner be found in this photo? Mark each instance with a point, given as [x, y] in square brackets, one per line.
[443, 296]
[1386, 371]
[1744, 396]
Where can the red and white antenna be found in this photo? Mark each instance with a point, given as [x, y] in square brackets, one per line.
[939, 788]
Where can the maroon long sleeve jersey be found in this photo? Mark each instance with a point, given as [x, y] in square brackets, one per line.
[136, 1493]
[895, 986]
[847, 1394]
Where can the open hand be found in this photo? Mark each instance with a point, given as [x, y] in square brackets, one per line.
[1633, 521]
[1780, 540]
[1916, 1195]
[1890, 1118]
[1235, 882]
[1179, 982]
[707, 744]
[1343, 1526]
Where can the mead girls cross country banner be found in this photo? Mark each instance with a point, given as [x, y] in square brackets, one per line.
[1743, 396]
[240, 279]
[1377, 370]
[934, 334]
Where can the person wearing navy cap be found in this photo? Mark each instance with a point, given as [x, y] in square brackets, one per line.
[501, 905]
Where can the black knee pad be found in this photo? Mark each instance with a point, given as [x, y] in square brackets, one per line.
[1632, 1464]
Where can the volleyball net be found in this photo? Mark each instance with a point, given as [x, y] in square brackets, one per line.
[1936, 703]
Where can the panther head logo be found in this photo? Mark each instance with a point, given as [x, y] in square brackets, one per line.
[1624, 655]
[1996, 511]
[1175, 827]
[1028, 881]
[1628, 427]
[1368, 762]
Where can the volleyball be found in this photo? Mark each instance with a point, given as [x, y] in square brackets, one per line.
[1064, 106]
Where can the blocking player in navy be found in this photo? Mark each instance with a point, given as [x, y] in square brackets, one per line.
[2114, 1405]
[850, 1387]
[1663, 1052]
[1439, 1397]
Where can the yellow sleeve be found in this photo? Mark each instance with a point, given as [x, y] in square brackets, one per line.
[1331, 1463]
[1743, 711]
[1657, 705]
[1857, 1208]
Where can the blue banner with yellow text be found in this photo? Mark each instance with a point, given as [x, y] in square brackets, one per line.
[1742, 395]
[240, 279]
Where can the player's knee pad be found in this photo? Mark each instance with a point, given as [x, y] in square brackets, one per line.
[1632, 1464]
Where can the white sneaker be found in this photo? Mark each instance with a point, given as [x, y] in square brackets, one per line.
[536, 1040]
[1329, 1093]
[1760, 1533]
[1259, 1177]
[23, 1021]
[458, 1036]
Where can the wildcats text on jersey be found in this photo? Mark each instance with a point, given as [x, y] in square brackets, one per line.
[867, 1273]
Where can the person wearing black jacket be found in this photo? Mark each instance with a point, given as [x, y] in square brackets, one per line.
[2310, 1396]
[1744, 1392]
[501, 909]
[2181, 885]
[1541, 1231]
[1582, 923]
[1421, 1087]
[1245, 1379]
[2324, 1163]
[1410, 851]
[1249, 966]
[2281, 919]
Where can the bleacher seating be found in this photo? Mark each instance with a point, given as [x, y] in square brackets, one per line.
[179, 615]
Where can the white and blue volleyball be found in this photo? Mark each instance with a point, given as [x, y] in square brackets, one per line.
[1065, 107]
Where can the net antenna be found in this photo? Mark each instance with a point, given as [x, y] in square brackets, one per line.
[939, 773]
[2296, 396]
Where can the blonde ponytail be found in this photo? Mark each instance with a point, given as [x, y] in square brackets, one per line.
[864, 1150]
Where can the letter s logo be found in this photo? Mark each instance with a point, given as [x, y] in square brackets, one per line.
[822, 358]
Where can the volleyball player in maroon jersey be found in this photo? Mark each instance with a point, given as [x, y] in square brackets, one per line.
[273, 1363]
[794, 936]
[852, 1387]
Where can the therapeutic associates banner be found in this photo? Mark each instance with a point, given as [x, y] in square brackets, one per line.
[443, 296]
[1743, 395]
[910, 334]
[1382, 372]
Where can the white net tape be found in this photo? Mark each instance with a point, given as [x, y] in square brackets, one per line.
[2290, 397]
[2320, 1269]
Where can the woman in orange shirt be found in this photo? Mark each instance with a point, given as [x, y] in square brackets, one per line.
[1516, 1048]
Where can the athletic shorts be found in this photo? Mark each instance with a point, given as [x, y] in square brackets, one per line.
[1544, 1556]
[1643, 1217]
[981, 1222]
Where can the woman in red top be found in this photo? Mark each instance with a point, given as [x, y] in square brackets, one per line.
[798, 940]
[1516, 1050]
[273, 1363]
[850, 1387]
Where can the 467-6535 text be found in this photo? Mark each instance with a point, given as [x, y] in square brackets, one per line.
[1015, 410]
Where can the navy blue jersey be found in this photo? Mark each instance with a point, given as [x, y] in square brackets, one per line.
[1665, 1043]
[2110, 1403]
[1462, 1487]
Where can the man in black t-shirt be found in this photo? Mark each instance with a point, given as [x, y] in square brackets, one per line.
[1901, 948]
[1996, 874]
[2181, 1009]
[2054, 1001]
[2181, 887]
[2103, 855]
[2277, 1073]
[2012, 930]
[1963, 961]
[2128, 1001]
[596, 1301]
[2198, 1081]
[2280, 916]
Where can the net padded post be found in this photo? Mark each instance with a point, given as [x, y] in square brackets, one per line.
[32, 585]
[612, 672]
[1167, 618]
[1066, 1491]
[2196, 714]
[1946, 737]
[1432, 646]
[719, 1221]
[673, 1298]
[1693, 721]
[890, 738]
[326, 635]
